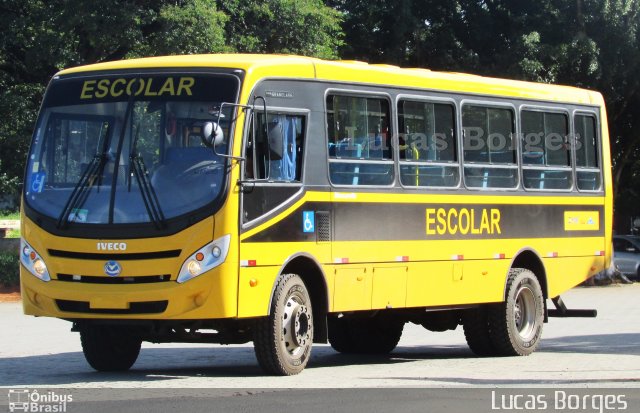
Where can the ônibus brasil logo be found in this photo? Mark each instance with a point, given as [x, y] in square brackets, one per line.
[23, 400]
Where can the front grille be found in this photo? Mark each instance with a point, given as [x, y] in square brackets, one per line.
[91, 279]
[115, 256]
[144, 307]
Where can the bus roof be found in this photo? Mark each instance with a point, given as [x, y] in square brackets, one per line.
[282, 66]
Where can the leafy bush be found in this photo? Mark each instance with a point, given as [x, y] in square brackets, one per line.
[9, 270]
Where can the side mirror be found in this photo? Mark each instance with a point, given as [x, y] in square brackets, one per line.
[276, 140]
[212, 134]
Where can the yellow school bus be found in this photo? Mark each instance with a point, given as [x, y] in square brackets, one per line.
[289, 200]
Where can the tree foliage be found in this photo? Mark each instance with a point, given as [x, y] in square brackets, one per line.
[305, 27]
[40, 37]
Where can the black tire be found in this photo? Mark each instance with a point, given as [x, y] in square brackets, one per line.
[109, 348]
[283, 340]
[339, 336]
[374, 335]
[475, 323]
[516, 325]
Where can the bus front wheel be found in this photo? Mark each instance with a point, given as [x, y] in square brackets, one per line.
[516, 325]
[109, 348]
[283, 339]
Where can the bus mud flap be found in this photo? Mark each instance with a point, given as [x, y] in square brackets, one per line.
[562, 310]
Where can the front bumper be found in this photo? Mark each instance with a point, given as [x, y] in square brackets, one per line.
[208, 296]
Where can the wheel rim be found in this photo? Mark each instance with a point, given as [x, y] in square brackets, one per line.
[525, 313]
[296, 329]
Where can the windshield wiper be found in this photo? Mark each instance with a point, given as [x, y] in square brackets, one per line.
[82, 189]
[149, 197]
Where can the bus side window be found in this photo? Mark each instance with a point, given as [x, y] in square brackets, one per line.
[359, 140]
[546, 160]
[488, 149]
[265, 161]
[587, 158]
[427, 144]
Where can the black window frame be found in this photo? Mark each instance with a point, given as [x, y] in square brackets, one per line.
[545, 167]
[471, 165]
[598, 148]
[300, 168]
[456, 163]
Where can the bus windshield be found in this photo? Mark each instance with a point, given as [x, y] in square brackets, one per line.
[128, 149]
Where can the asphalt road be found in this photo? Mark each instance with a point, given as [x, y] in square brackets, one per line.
[601, 353]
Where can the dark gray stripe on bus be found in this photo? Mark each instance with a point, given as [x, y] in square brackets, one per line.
[423, 222]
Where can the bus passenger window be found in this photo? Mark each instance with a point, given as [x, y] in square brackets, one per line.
[586, 144]
[359, 141]
[281, 162]
[489, 149]
[427, 144]
[546, 160]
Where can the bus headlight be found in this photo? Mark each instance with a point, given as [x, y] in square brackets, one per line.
[32, 261]
[206, 258]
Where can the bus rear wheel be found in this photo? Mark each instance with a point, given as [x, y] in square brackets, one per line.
[516, 325]
[374, 335]
[283, 340]
[109, 348]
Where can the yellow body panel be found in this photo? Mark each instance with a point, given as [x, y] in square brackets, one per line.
[389, 289]
[352, 286]
[254, 291]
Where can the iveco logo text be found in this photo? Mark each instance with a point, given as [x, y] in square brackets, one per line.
[112, 268]
[111, 246]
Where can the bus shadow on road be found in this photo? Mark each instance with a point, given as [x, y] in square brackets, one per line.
[166, 364]
[623, 343]
[325, 356]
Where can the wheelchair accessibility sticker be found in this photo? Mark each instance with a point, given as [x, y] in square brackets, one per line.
[308, 221]
[37, 182]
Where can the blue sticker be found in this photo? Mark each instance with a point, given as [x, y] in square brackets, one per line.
[308, 221]
[37, 182]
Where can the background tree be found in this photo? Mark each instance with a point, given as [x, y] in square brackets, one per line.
[40, 37]
[304, 27]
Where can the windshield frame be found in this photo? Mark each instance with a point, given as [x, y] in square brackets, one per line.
[139, 229]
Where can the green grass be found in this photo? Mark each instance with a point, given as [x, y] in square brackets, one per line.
[12, 215]
[9, 215]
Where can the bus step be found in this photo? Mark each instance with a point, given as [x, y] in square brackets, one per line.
[562, 310]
